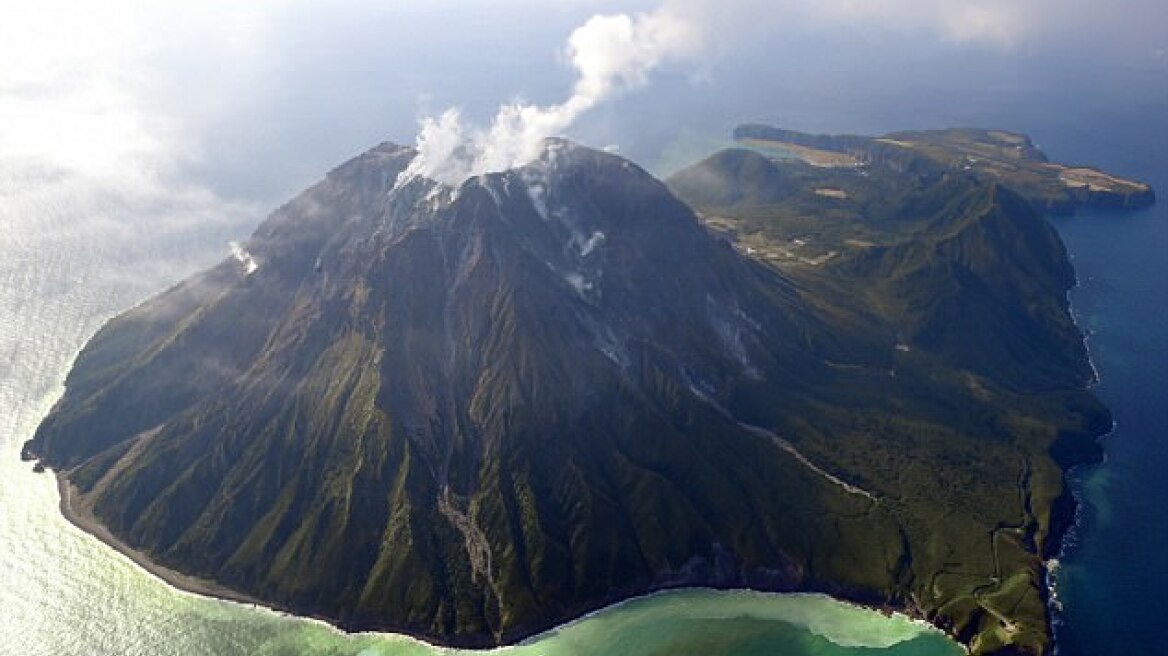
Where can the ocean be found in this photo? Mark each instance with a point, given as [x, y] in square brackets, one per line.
[63, 592]
[1114, 570]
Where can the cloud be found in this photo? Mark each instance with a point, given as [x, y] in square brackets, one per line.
[92, 159]
[84, 87]
[1004, 26]
[611, 54]
[995, 23]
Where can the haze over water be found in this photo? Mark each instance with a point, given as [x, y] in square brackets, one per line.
[75, 250]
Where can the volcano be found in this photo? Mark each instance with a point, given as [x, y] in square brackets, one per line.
[470, 413]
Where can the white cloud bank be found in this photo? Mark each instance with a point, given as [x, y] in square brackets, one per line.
[90, 161]
[1001, 25]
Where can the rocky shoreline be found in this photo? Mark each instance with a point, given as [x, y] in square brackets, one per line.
[1069, 453]
[1066, 511]
[79, 513]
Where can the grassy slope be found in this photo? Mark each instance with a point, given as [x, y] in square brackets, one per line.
[966, 286]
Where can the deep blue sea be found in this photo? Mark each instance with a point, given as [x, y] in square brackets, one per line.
[1115, 571]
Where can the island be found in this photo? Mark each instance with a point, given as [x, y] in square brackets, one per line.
[471, 413]
[989, 155]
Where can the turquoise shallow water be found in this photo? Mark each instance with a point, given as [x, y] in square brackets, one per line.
[64, 593]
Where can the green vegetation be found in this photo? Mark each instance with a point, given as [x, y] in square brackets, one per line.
[964, 285]
[989, 156]
[472, 416]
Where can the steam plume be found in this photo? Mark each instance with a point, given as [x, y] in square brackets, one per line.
[243, 257]
[611, 54]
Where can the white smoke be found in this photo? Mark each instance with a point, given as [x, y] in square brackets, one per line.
[243, 257]
[611, 54]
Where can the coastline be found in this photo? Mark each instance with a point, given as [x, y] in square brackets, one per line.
[1066, 522]
[80, 514]
[1066, 511]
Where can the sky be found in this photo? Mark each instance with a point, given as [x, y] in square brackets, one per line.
[189, 113]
